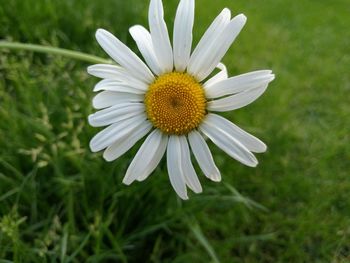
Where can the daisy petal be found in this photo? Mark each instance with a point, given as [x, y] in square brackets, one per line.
[124, 56]
[239, 83]
[222, 75]
[175, 171]
[228, 143]
[122, 145]
[106, 71]
[118, 86]
[207, 40]
[109, 98]
[203, 156]
[213, 54]
[249, 141]
[116, 131]
[236, 101]
[156, 158]
[160, 36]
[144, 43]
[116, 113]
[147, 158]
[182, 37]
[187, 167]
[116, 73]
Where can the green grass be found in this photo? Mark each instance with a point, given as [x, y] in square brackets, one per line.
[61, 203]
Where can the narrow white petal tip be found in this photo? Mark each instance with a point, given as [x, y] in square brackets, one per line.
[89, 119]
[253, 164]
[133, 28]
[215, 178]
[226, 12]
[185, 197]
[107, 157]
[89, 69]
[95, 103]
[100, 31]
[93, 147]
[264, 148]
[100, 34]
[242, 18]
[126, 182]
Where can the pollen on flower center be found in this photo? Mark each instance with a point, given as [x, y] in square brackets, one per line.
[175, 103]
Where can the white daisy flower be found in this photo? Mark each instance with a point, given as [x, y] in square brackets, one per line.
[171, 99]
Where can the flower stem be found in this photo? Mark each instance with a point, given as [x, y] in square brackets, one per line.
[53, 50]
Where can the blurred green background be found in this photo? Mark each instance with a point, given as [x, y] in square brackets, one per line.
[61, 203]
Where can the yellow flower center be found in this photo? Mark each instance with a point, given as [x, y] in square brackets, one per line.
[175, 103]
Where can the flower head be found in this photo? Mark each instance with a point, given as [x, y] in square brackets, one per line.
[170, 98]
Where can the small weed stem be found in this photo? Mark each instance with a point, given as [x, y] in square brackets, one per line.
[53, 50]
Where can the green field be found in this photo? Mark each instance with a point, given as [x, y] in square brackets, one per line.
[61, 203]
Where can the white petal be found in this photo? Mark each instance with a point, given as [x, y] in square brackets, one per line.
[118, 86]
[147, 158]
[116, 113]
[207, 40]
[175, 171]
[116, 73]
[144, 43]
[239, 83]
[116, 131]
[222, 75]
[124, 56]
[182, 37]
[122, 145]
[203, 156]
[110, 98]
[156, 158]
[236, 101]
[228, 143]
[106, 71]
[215, 50]
[187, 167]
[160, 36]
[249, 141]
